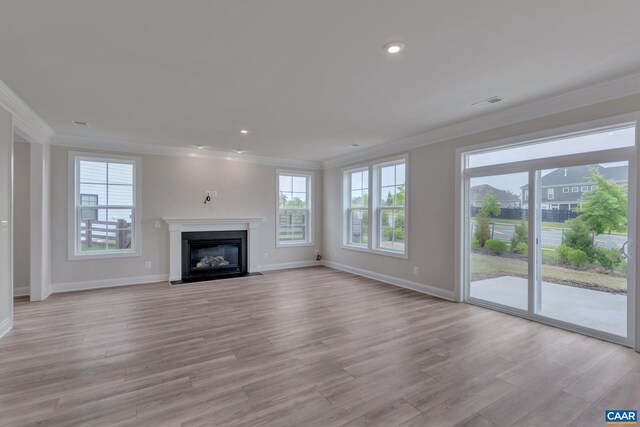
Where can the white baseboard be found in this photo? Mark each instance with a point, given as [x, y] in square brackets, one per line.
[6, 326]
[287, 265]
[21, 291]
[407, 284]
[107, 283]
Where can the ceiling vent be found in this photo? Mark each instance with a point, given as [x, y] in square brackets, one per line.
[80, 124]
[488, 101]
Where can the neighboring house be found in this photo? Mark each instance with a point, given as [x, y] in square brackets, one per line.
[506, 198]
[563, 188]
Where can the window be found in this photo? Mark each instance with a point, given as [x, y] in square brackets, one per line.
[103, 201]
[294, 209]
[584, 188]
[525, 195]
[391, 206]
[574, 189]
[374, 201]
[550, 193]
[565, 189]
[358, 208]
[593, 187]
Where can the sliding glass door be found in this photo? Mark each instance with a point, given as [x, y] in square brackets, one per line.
[499, 268]
[583, 255]
[547, 231]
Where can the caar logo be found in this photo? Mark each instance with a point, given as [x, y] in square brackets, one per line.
[621, 417]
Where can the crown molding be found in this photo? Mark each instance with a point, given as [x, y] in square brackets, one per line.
[601, 92]
[112, 145]
[25, 121]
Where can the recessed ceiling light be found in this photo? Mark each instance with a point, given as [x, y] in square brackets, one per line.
[199, 147]
[244, 131]
[80, 124]
[394, 47]
[239, 151]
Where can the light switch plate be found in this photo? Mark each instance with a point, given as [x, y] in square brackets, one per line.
[4, 224]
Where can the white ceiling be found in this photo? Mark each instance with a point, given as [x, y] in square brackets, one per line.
[308, 78]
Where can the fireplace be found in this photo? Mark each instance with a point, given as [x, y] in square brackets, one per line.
[208, 255]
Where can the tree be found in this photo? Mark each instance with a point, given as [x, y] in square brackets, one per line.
[490, 206]
[604, 209]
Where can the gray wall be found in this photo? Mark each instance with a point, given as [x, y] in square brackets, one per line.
[432, 200]
[174, 187]
[6, 135]
[21, 215]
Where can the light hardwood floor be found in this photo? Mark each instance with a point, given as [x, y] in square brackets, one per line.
[307, 347]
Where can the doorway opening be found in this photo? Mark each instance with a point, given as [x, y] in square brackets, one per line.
[548, 230]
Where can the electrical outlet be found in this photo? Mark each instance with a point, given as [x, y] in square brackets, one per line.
[147, 265]
[316, 252]
[416, 270]
[214, 194]
[157, 224]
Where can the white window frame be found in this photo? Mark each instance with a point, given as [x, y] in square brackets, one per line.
[584, 188]
[374, 206]
[566, 189]
[346, 197]
[73, 252]
[551, 193]
[462, 258]
[575, 189]
[593, 187]
[310, 207]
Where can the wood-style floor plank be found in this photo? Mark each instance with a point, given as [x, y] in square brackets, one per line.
[305, 347]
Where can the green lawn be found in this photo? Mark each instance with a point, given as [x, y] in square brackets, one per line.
[490, 265]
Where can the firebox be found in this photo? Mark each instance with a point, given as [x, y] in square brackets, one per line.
[208, 255]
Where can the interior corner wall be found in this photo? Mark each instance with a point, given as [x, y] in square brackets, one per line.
[175, 187]
[431, 202]
[6, 279]
[22, 217]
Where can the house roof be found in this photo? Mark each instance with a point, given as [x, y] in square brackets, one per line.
[577, 175]
[478, 192]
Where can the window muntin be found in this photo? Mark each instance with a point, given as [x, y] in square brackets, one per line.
[294, 208]
[104, 206]
[374, 202]
[550, 194]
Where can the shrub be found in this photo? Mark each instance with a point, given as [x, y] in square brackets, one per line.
[482, 232]
[520, 248]
[474, 243]
[608, 258]
[520, 235]
[578, 236]
[496, 246]
[562, 253]
[577, 257]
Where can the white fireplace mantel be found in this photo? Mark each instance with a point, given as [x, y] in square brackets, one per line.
[179, 225]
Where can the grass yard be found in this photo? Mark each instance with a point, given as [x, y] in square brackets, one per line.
[488, 265]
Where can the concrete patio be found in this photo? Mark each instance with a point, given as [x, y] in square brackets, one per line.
[597, 310]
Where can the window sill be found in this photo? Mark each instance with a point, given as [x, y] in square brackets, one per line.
[376, 251]
[103, 255]
[293, 245]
